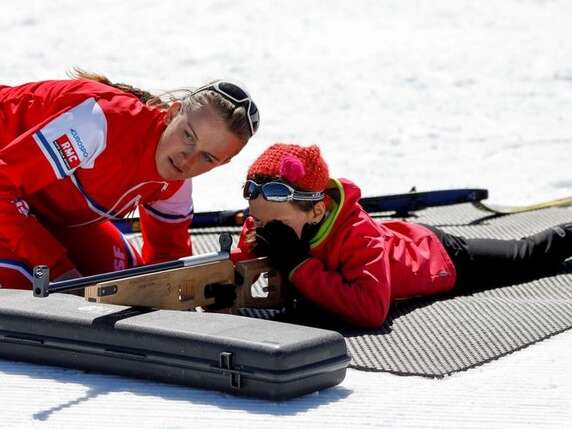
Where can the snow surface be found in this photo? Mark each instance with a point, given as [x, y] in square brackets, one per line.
[437, 94]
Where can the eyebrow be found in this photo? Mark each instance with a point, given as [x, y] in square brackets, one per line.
[197, 139]
[192, 129]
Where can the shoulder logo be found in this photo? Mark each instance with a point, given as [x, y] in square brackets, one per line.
[74, 139]
[67, 152]
[22, 206]
[79, 143]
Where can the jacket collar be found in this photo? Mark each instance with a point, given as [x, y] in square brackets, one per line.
[343, 196]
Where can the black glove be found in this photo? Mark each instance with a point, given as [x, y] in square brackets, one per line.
[281, 244]
[224, 295]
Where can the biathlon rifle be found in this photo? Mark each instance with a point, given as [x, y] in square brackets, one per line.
[182, 284]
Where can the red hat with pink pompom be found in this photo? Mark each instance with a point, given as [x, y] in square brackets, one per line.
[302, 167]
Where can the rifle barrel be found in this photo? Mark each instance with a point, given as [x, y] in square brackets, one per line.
[82, 282]
[42, 287]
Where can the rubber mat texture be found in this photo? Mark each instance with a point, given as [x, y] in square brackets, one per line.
[437, 336]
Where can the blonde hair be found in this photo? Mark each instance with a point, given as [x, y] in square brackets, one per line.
[235, 117]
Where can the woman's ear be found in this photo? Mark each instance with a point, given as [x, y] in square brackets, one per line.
[173, 110]
[317, 213]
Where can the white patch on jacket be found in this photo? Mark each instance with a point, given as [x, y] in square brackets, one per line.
[74, 139]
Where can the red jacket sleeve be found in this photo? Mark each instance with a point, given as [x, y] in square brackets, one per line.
[163, 241]
[359, 289]
[165, 226]
[70, 138]
[35, 159]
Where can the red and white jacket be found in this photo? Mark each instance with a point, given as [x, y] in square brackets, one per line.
[358, 266]
[76, 152]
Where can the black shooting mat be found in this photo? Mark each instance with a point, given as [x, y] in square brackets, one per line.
[436, 336]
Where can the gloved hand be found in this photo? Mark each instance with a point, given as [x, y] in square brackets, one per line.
[280, 243]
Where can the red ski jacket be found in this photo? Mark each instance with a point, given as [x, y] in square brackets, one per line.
[77, 152]
[358, 266]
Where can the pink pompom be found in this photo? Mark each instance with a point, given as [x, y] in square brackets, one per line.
[291, 169]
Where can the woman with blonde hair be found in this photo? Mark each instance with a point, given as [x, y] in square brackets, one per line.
[76, 154]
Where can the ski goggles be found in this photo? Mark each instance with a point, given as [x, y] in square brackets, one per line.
[237, 96]
[278, 192]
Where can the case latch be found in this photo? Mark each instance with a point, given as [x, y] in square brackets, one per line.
[225, 363]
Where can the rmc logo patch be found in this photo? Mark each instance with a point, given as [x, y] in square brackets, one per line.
[67, 152]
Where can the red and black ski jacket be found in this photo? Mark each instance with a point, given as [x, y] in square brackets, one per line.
[76, 152]
[358, 266]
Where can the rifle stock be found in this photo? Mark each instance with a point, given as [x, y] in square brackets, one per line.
[180, 284]
[276, 291]
[185, 288]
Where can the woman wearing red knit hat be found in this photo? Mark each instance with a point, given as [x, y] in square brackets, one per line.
[314, 230]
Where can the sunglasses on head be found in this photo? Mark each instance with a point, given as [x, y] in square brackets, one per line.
[278, 192]
[237, 96]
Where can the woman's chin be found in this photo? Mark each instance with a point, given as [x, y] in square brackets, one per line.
[167, 174]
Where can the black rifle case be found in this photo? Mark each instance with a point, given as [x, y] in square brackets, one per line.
[235, 354]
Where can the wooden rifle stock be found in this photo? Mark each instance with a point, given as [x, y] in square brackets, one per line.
[187, 288]
[180, 284]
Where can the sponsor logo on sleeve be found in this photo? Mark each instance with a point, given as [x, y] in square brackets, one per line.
[79, 143]
[67, 152]
[74, 139]
[22, 206]
[119, 259]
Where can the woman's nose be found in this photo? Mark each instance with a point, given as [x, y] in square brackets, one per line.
[188, 155]
[188, 150]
